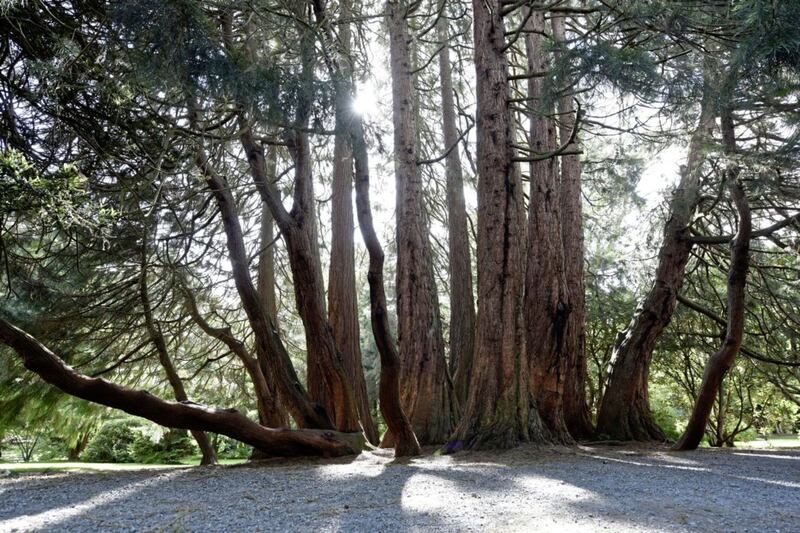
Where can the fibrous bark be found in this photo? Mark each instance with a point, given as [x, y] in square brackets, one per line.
[426, 391]
[719, 364]
[499, 412]
[576, 409]
[180, 415]
[462, 302]
[546, 307]
[342, 298]
[405, 442]
[625, 411]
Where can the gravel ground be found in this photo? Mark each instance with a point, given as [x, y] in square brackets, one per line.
[577, 489]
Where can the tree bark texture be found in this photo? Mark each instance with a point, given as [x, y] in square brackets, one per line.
[499, 412]
[462, 302]
[719, 364]
[425, 387]
[625, 411]
[576, 409]
[342, 298]
[406, 443]
[546, 307]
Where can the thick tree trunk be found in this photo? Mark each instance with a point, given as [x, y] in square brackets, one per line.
[425, 388]
[342, 298]
[625, 411]
[500, 412]
[721, 362]
[175, 381]
[576, 409]
[187, 415]
[462, 302]
[546, 307]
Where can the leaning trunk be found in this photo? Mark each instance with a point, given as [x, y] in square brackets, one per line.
[180, 415]
[426, 391]
[625, 411]
[721, 362]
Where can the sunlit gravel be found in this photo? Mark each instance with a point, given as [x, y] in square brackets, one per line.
[528, 489]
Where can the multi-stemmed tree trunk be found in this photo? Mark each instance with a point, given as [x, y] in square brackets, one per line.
[499, 412]
[209, 457]
[326, 375]
[719, 364]
[576, 409]
[342, 299]
[405, 442]
[462, 302]
[546, 308]
[625, 411]
[181, 415]
[426, 391]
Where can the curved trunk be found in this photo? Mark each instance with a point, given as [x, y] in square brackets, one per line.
[462, 302]
[719, 364]
[576, 409]
[389, 394]
[546, 307]
[499, 412]
[625, 411]
[426, 391]
[180, 415]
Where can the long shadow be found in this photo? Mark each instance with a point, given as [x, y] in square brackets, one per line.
[529, 488]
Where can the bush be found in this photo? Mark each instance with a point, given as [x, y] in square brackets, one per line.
[112, 443]
[173, 447]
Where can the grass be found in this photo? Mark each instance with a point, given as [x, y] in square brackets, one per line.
[782, 441]
[67, 466]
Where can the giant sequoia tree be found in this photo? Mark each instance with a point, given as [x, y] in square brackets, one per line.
[177, 216]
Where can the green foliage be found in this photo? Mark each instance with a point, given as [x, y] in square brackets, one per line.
[112, 443]
[172, 448]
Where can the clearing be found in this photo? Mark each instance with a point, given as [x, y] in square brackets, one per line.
[563, 489]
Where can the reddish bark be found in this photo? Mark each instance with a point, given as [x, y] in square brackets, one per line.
[426, 390]
[500, 412]
[194, 417]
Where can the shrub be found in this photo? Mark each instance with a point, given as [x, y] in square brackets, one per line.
[112, 443]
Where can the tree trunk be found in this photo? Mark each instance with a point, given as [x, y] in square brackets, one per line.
[175, 381]
[462, 303]
[342, 298]
[546, 308]
[426, 391]
[576, 409]
[186, 415]
[500, 412]
[625, 411]
[275, 412]
[389, 393]
[268, 345]
[721, 362]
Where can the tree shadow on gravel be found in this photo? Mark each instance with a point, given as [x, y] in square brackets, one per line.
[528, 488]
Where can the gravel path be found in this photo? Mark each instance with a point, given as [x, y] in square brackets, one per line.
[579, 489]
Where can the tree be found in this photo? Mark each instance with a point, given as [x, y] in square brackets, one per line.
[500, 412]
[426, 389]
